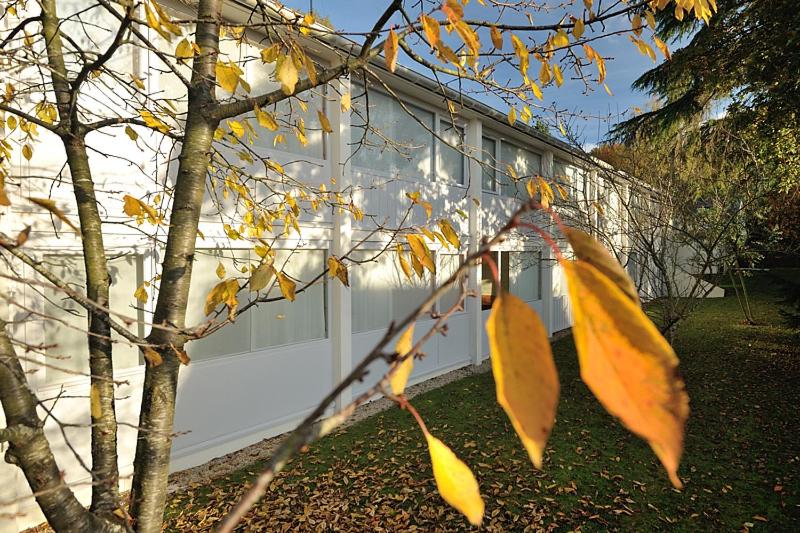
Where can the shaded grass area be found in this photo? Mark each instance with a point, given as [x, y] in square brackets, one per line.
[741, 467]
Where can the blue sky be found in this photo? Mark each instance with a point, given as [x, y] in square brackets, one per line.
[623, 61]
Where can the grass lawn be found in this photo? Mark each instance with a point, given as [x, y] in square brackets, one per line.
[741, 467]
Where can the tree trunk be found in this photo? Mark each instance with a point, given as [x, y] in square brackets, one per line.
[105, 474]
[30, 450]
[151, 463]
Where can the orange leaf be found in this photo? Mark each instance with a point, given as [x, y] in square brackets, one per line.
[524, 372]
[627, 364]
[588, 249]
[390, 50]
[403, 370]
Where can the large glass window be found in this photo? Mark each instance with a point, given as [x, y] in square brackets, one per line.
[284, 322]
[387, 138]
[297, 116]
[451, 161]
[524, 165]
[381, 292]
[488, 154]
[268, 324]
[520, 274]
[65, 329]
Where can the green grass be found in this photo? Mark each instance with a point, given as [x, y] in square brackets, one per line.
[741, 466]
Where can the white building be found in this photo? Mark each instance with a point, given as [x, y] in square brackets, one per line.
[260, 376]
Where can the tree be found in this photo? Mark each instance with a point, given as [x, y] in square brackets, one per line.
[68, 88]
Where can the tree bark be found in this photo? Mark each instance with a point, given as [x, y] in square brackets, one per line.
[30, 450]
[105, 489]
[151, 463]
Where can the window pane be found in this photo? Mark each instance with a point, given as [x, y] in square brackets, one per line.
[451, 161]
[289, 113]
[305, 319]
[489, 147]
[232, 338]
[524, 273]
[394, 140]
[524, 163]
[381, 292]
[66, 339]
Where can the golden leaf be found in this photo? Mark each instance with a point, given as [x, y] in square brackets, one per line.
[337, 269]
[627, 364]
[497, 37]
[390, 50]
[524, 372]
[140, 294]
[588, 249]
[261, 276]
[578, 29]
[420, 250]
[560, 39]
[152, 357]
[455, 481]
[184, 50]
[512, 115]
[286, 74]
[50, 205]
[404, 266]
[287, 286]
[265, 119]
[432, 30]
[220, 271]
[453, 10]
[449, 233]
[228, 75]
[403, 370]
[344, 102]
[27, 152]
[324, 122]
[558, 76]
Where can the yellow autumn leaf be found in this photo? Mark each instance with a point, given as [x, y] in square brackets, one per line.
[337, 269]
[261, 276]
[449, 233]
[404, 266]
[228, 75]
[588, 249]
[432, 30]
[403, 370]
[524, 372]
[152, 357]
[265, 119]
[140, 294]
[497, 37]
[287, 286]
[455, 481]
[220, 271]
[560, 38]
[27, 152]
[390, 50]
[546, 195]
[324, 122]
[627, 364]
[558, 76]
[184, 50]
[578, 29]
[50, 205]
[286, 74]
[512, 115]
[421, 252]
[344, 102]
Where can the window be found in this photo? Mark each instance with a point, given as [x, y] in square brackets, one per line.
[524, 163]
[520, 274]
[387, 138]
[65, 334]
[305, 319]
[451, 161]
[296, 115]
[489, 151]
[268, 324]
[381, 292]
[448, 264]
